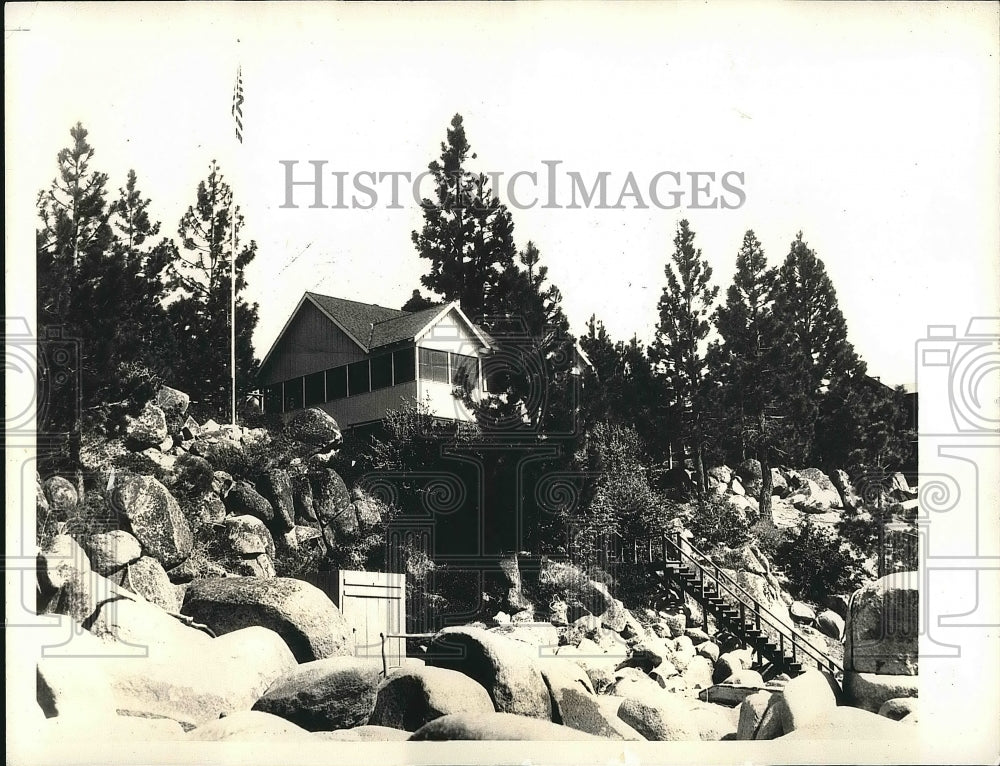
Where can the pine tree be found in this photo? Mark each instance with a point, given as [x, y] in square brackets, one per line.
[683, 327]
[199, 275]
[812, 333]
[468, 235]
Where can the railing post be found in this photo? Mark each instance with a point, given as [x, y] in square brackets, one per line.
[635, 552]
[650, 542]
[743, 614]
[781, 646]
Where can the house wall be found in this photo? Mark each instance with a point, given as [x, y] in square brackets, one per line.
[441, 401]
[450, 335]
[363, 408]
[311, 343]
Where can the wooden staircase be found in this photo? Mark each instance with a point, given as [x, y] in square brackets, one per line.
[778, 648]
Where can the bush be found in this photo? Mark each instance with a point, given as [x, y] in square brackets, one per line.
[716, 523]
[769, 538]
[243, 461]
[817, 564]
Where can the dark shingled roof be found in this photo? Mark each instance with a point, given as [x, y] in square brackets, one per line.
[375, 326]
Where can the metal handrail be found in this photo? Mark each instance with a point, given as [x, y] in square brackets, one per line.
[818, 655]
[386, 636]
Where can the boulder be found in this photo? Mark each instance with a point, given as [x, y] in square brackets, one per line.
[802, 613]
[647, 653]
[750, 476]
[831, 624]
[365, 734]
[222, 482]
[504, 667]
[697, 636]
[779, 484]
[726, 665]
[842, 482]
[751, 713]
[110, 551]
[698, 673]
[851, 724]
[412, 696]
[808, 697]
[661, 716]
[592, 714]
[65, 582]
[260, 565]
[495, 726]
[155, 518]
[147, 577]
[898, 708]
[243, 500]
[209, 509]
[250, 726]
[302, 498]
[721, 473]
[194, 568]
[275, 485]
[676, 623]
[148, 428]
[300, 613]
[119, 730]
[709, 649]
[663, 672]
[315, 428]
[191, 475]
[248, 536]
[883, 627]
[737, 488]
[174, 403]
[60, 494]
[330, 496]
[533, 634]
[322, 695]
[190, 430]
[869, 691]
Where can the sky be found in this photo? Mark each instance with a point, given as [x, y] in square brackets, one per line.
[870, 128]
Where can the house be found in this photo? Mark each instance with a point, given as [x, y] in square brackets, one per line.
[358, 360]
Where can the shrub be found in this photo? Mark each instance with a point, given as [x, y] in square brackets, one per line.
[715, 523]
[192, 476]
[769, 538]
[818, 564]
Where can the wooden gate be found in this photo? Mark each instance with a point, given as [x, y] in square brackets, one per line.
[374, 603]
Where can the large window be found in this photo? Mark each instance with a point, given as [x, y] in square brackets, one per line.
[358, 379]
[314, 389]
[434, 365]
[336, 383]
[381, 370]
[464, 371]
[293, 394]
[403, 367]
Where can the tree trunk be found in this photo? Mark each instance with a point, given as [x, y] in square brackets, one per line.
[766, 482]
[699, 470]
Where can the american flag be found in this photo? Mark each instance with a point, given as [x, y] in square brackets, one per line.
[238, 105]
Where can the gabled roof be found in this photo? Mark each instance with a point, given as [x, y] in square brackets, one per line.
[371, 326]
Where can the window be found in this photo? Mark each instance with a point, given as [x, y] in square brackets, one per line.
[336, 383]
[272, 398]
[358, 378]
[497, 374]
[464, 371]
[434, 365]
[381, 370]
[314, 389]
[293, 394]
[403, 369]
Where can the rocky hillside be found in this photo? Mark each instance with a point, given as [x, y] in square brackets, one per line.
[164, 551]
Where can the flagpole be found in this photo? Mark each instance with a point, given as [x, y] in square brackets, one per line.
[238, 118]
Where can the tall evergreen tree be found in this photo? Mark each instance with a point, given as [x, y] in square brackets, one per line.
[95, 283]
[468, 235]
[812, 331]
[683, 327]
[199, 275]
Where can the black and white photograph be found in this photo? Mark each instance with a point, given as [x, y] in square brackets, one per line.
[508, 383]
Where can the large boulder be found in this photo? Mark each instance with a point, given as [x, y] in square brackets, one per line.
[504, 667]
[300, 613]
[365, 734]
[751, 713]
[65, 582]
[808, 697]
[243, 500]
[661, 716]
[848, 497]
[802, 613]
[148, 428]
[154, 517]
[883, 626]
[331, 499]
[110, 551]
[830, 624]
[174, 405]
[496, 726]
[248, 536]
[898, 708]
[750, 476]
[851, 724]
[412, 696]
[250, 726]
[147, 577]
[315, 428]
[275, 485]
[60, 494]
[869, 691]
[323, 695]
